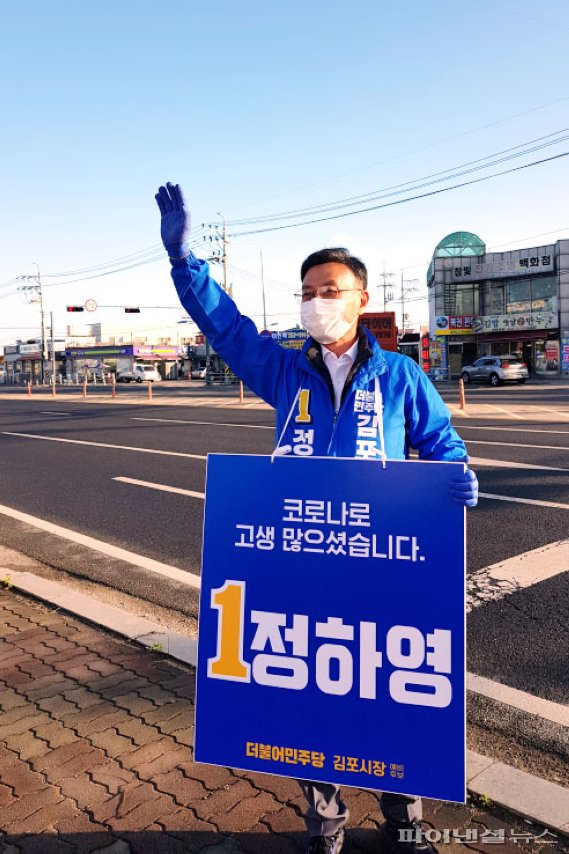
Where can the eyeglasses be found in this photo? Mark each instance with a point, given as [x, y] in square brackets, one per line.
[325, 292]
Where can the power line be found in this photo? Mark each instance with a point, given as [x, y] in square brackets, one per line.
[481, 163]
[402, 201]
[412, 152]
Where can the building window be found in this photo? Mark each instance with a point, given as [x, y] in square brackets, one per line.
[525, 295]
[462, 299]
[497, 305]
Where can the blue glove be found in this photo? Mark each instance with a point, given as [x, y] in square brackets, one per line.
[175, 225]
[464, 490]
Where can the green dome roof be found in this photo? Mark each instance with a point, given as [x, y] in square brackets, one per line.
[460, 243]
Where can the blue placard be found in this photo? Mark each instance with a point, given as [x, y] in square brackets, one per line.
[332, 623]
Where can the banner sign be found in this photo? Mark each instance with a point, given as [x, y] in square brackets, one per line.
[332, 616]
[382, 326]
[517, 263]
[94, 352]
[291, 339]
[454, 324]
[565, 354]
[518, 322]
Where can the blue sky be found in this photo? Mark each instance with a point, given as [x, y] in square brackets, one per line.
[257, 108]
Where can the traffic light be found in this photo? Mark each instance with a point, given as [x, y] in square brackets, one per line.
[132, 311]
[75, 308]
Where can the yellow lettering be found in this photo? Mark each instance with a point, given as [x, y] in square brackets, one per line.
[303, 416]
[229, 601]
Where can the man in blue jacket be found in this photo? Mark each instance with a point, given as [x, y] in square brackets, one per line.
[318, 394]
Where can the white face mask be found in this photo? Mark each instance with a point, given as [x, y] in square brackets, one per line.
[324, 319]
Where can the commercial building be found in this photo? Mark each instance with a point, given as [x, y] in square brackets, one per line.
[495, 303]
[165, 358]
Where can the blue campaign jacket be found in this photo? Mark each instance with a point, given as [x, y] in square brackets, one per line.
[296, 383]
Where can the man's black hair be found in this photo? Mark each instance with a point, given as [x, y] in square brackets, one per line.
[337, 255]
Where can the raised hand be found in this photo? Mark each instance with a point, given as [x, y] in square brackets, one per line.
[175, 223]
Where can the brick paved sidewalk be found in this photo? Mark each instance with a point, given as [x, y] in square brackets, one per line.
[96, 756]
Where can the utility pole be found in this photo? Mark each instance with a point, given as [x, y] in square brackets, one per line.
[387, 296]
[224, 256]
[37, 297]
[263, 289]
[217, 257]
[52, 351]
[43, 353]
[411, 286]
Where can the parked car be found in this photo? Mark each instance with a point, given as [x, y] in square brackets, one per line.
[496, 370]
[198, 373]
[146, 373]
[125, 376]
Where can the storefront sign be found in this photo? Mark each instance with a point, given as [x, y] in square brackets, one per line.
[382, 326]
[533, 261]
[29, 349]
[96, 352]
[565, 353]
[331, 642]
[454, 324]
[516, 322]
[291, 339]
[149, 352]
[425, 361]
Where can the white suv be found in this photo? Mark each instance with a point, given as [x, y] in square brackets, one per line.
[146, 373]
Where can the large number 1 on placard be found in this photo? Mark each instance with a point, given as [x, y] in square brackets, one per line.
[303, 416]
[228, 663]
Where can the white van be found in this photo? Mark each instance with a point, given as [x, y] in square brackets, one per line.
[146, 373]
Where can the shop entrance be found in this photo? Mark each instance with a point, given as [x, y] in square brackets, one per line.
[528, 355]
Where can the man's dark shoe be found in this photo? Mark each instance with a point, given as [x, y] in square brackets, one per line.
[326, 844]
[408, 838]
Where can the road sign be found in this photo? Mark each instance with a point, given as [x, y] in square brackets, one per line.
[331, 642]
[91, 305]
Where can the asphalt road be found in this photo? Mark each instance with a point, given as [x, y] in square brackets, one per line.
[522, 640]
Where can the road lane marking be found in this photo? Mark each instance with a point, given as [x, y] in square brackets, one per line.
[106, 445]
[506, 411]
[534, 501]
[50, 412]
[202, 423]
[160, 486]
[515, 430]
[507, 464]
[518, 445]
[555, 411]
[516, 573]
[164, 569]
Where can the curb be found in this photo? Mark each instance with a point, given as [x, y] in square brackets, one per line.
[533, 798]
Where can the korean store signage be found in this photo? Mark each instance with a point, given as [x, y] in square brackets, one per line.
[382, 326]
[331, 642]
[94, 352]
[534, 262]
[565, 353]
[454, 324]
[165, 352]
[291, 339]
[516, 322]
